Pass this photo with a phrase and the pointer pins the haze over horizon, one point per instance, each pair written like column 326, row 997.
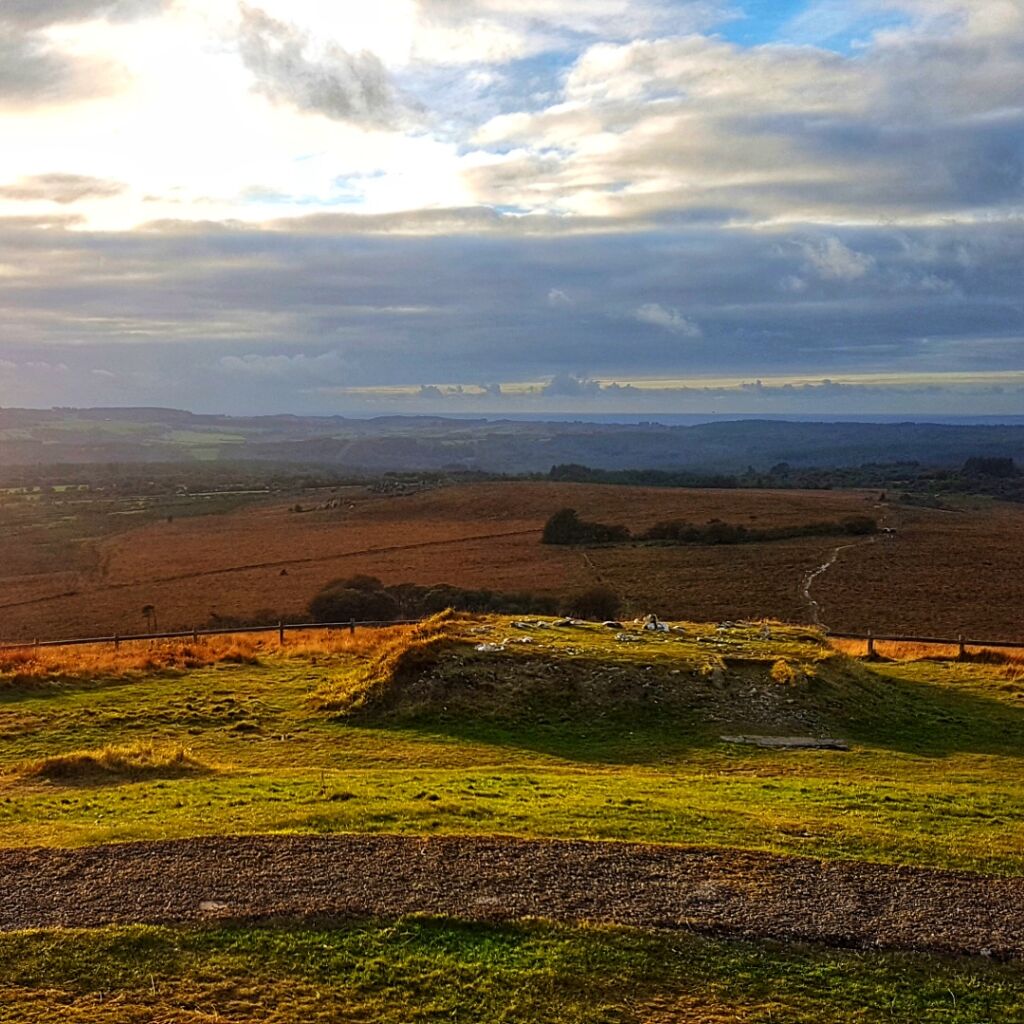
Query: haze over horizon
column 797, row 207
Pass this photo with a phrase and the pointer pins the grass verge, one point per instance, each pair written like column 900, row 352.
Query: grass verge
column 426, row 970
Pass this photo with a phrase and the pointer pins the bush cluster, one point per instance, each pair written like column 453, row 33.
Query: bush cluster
column 366, row 599
column 565, row 527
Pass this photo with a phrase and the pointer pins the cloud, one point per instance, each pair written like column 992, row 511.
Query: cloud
column 569, row 385
column 921, row 123
column 32, row 14
column 670, row 319
column 354, row 87
column 327, row 368
column 500, row 31
column 34, row 71
column 833, row 261
column 557, row 298
column 61, row 188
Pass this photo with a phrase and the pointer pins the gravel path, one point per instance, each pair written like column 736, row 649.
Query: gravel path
column 712, row 891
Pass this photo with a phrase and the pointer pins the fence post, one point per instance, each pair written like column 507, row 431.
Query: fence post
column 195, row 634
column 963, row 647
column 280, row 633
column 871, row 645
column 117, row 641
column 352, row 625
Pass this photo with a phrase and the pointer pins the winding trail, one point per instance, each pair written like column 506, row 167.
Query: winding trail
column 721, row 892
column 822, row 569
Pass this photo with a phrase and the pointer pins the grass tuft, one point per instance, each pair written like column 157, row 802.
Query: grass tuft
column 112, row 764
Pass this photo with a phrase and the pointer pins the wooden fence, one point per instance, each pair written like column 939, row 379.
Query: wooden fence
column 194, row 634
column 961, row 642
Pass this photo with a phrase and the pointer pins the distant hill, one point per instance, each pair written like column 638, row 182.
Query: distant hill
column 396, row 443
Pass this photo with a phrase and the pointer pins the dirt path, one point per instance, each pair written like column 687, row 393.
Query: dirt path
column 712, row 891
column 809, row 579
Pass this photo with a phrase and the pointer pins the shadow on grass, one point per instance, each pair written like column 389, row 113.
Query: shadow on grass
column 870, row 705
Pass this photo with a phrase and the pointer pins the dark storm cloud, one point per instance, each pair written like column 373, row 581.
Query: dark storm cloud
column 344, row 86
column 252, row 317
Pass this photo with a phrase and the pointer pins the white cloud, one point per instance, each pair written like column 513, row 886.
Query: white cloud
column 831, row 260
column 656, row 315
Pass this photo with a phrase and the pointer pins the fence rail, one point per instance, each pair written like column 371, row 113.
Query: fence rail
column 961, row 642
column 194, row 634
column 282, row 628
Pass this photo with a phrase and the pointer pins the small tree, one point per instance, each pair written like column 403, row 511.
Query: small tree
column 562, row 528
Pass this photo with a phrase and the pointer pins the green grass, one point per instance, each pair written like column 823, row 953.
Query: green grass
column 422, row 970
column 934, row 777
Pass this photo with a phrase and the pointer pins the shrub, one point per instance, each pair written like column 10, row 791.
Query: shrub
column 597, row 603
column 859, row 526
column 343, row 604
column 566, row 527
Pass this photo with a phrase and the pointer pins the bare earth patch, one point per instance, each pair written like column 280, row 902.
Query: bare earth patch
column 788, row 742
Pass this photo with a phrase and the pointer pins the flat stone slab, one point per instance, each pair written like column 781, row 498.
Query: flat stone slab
column 789, row 742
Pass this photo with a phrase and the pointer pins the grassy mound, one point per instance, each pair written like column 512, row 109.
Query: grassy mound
column 467, row 675
column 398, row 658
column 113, row 764
column 501, row 670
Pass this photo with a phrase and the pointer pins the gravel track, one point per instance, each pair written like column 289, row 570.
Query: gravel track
column 724, row 892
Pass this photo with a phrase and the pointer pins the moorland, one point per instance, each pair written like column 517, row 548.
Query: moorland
column 78, row 563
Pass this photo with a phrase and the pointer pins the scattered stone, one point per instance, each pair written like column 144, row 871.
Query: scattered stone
column 612, row 624
column 654, row 625
column 212, row 906
column 489, row 648
column 627, row 638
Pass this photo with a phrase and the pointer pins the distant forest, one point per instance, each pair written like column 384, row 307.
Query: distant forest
column 995, row 477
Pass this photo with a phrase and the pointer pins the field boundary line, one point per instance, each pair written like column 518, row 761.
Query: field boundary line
column 256, row 566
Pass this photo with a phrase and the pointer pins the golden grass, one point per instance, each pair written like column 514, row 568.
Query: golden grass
column 1006, row 662
column 28, row 665
column 403, row 653
column 113, row 763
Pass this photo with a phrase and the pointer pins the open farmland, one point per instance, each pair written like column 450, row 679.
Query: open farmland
column 268, row 559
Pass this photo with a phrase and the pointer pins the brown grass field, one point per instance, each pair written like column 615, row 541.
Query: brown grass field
column 941, row 573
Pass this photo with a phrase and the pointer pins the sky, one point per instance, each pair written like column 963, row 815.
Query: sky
column 518, row 206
